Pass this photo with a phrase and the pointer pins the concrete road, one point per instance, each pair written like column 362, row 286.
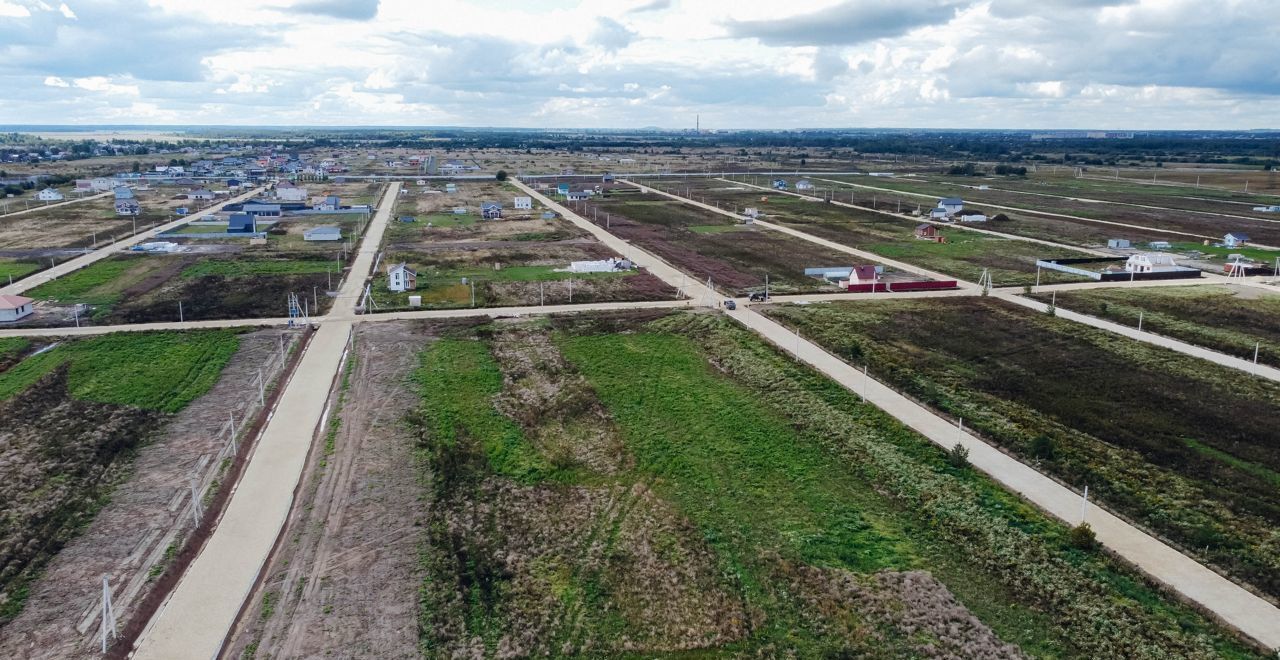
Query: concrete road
column 115, row 248
column 206, row 601
column 42, row 207
column 362, row 266
column 640, row 257
column 62, row 331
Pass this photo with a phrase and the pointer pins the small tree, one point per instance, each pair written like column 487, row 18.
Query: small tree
column 1082, row 537
column 958, row 456
column 502, row 175
column 1042, row 447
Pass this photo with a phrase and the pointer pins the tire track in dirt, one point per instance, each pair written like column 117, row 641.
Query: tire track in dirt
column 344, row 579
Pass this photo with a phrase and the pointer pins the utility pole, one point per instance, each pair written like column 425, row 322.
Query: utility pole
column 1256, row 347
column 1084, row 504
column 262, row 389
column 108, row 615
column 180, row 319
column 1140, row 320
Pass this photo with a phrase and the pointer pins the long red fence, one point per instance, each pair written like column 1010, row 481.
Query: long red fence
column 902, row 287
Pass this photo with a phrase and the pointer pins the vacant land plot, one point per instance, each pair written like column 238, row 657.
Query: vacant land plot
column 86, row 406
column 735, row 257
column 1173, row 218
column 656, row 484
column 435, row 220
column 1225, row 318
column 116, row 499
column 75, row 225
column 1185, row 447
column 140, row 288
column 528, row 273
column 964, row 254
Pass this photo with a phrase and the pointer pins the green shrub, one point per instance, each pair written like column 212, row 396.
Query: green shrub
column 958, row 456
column 1082, row 537
column 1042, row 447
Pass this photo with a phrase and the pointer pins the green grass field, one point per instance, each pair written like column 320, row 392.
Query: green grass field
column 99, row 283
column 10, row 268
column 161, row 371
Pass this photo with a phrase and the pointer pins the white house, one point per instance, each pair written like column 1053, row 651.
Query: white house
column 523, row 203
column 938, row 213
column 13, row 308
column 804, row 184
column 401, row 278
column 1275, row 208
column 751, row 212
column 451, row 187
column 200, row 194
column 49, row 195
column 1150, row 262
column 952, row 205
column 1234, row 239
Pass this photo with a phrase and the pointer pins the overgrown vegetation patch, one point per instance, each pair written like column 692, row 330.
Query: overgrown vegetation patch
column 753, row 507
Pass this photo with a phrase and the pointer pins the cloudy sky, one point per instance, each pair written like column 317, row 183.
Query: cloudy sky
column 1139, row 64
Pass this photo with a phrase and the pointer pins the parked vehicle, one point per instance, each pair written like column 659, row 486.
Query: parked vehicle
column 729, row 304
column 759, row 297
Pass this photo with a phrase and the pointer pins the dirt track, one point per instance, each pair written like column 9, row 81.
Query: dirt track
column 345, row 581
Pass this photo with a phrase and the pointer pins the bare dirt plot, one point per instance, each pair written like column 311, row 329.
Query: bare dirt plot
column 735, row 257
column 129, row 539
column 66, row 226
column 345, row 580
